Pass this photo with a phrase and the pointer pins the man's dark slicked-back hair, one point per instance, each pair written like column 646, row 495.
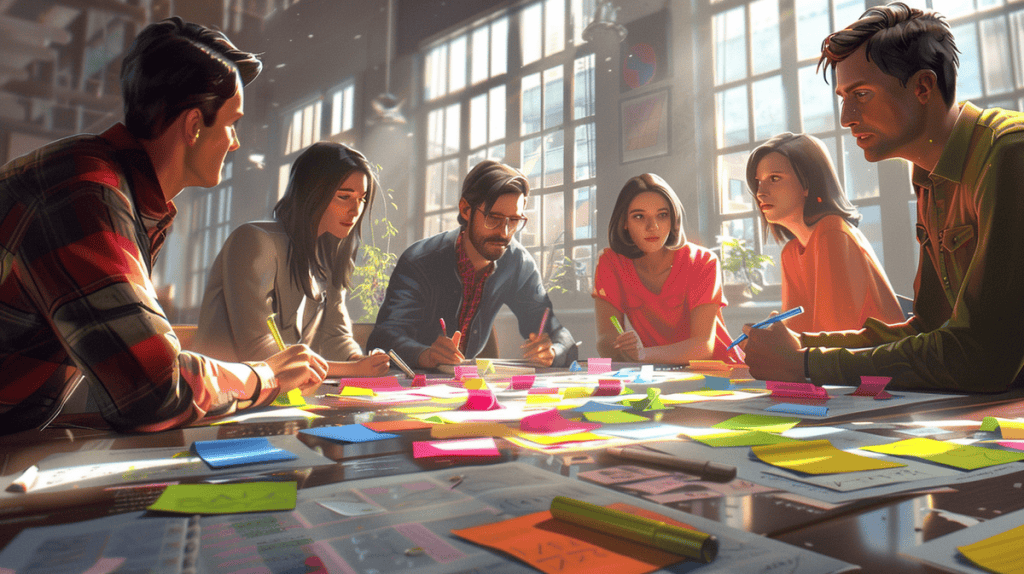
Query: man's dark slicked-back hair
column 173, row 66
column 901, row 41
column 488, row 181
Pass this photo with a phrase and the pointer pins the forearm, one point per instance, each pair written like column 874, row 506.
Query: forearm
column 681, row 352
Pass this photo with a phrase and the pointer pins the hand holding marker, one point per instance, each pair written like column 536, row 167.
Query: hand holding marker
column 775, row 319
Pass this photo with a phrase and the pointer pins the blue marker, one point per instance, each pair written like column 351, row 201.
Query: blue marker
column 780, row 317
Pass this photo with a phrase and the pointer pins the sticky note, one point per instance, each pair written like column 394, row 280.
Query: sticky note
column 781, row 389
column 420, row 380
column 379, row 383
column 348, row 433
column 522, row 382
column 767, row 423
column 576, row 392
column 873, row 387
column 466, row 372
column 1000, row 553
column 966, row 457
column 709, row 365
column 393, row 426
column 227, row 498
column 357, row 392
column 236, row 451
column 552, row 421
column 292, row 398
column 598, row 365
column 1009, row 429
column 575, row 367
column 474, row 383
column 484, row 366
column 481, row 400
column 817, row 457
column 739, row 438
column 594, row 406
column 613, row 417
column 458, row 447
column 609, row 388
column 549, row 439
column 717, row 383
column 797, row 409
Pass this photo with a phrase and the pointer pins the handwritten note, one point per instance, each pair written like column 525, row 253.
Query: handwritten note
column 227, row 498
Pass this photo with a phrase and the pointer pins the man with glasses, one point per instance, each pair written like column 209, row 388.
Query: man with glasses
column 454, row 283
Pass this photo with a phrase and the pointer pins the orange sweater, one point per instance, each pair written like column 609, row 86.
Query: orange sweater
column 837, row 279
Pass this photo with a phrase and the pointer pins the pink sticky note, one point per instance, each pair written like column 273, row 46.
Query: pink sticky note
column 543, row 391
column 466, row 372
column 609, row 388
column 796, row 390
column 420, row 380
column 873, row 387
column 1014, row 444
column 598, row 365
column 459, row 447
column 522, row 382
column 388, row 383
column 551, row 421
column 481, row 400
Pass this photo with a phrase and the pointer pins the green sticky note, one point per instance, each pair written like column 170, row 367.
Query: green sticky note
column 741, row 438
column 766, row 423
column 227, row 498
column 961, row 456
column 613, row 417
column 989, row 424
column 292, row 399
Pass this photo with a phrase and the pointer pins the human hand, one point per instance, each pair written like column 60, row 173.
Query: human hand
column 538, row 350
column 773, row 353
column 629, row 347
column 443, row 351
column 375, row 364
column 298, row 367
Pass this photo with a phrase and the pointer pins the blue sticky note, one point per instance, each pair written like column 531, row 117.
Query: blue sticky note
column 717, row 383
column 348, row 433
column 795, row 409
column 575, row 367
column 594, row 406
column 236, row 451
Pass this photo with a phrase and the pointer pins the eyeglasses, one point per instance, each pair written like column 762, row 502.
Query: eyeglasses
column 494, row 221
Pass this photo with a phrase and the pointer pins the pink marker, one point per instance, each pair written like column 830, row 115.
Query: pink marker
column 443, row 328
column 543, row 321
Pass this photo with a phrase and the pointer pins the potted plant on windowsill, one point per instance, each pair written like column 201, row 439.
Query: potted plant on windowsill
column 744, row 266
column 372, row 275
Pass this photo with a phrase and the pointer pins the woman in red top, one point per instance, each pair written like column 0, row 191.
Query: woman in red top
column 828, row 266
column 669, row 289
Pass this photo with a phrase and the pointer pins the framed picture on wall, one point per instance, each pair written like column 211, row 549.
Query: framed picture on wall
column 644, row 126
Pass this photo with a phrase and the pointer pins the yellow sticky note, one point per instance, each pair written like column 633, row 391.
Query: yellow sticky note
column 292, row 399
column 817, row 457
column 356, row 392
column 542, row 399
column 474, row 384
column 766, row 423
column 613, row 417
column 740, row 438
column 967, row 457
column 577, row 392
column 999, row 553
column 227, row 498
column 484, row 366
column 559, row 439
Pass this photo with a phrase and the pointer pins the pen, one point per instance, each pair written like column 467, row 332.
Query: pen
column 26, row 481
column 705, row 469
column 694, row 544
column 543, row 321
column 616, row 324
column 274, row 332
column 444, row 330
column 780, row 317
column 400, row 363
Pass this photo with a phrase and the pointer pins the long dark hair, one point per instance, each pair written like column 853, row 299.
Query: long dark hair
column 813, row 166
column 312, row 183
column 619, row 239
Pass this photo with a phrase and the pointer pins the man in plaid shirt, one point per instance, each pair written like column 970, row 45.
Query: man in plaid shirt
column 81, row 222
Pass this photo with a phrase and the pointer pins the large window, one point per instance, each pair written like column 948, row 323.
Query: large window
column 765, row 56
column 518, row 87
column 304, row 126
column 209, row 227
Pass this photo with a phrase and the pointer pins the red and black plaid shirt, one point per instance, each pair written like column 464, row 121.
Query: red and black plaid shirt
column 472, row 288
column 81, row 221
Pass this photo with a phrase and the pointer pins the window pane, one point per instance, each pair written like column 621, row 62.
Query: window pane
column 553, row 97
column 554, row 219
column 497, row 152
column 969, row 80
column 531, row 161
column 477, row 157
column 583, row 260
column 730, row 46
column 435, row 133
column 282, row 180
column 732, row 116
column 584, row 152
column 529, row 33
column 497, row 113
column 478, row 121
column 481, row 55
column 1017, row 31
column 457, row 64
column 582, row 15
column 871, row 226
column 584, row 213
column 434, row 224
column 740, row 229
column 531, row 104
column 346, row 111
column 953, row 8
column 530, row 235
column 769, row 108
column 499, row 47
column 772, row 273
column 452, row 181
column 336, row 112
column 583, row 87
column 847, row 12
column 451, row 129
column 816, row 101
column 998, row 70
column 554, row 158
column 554, row 27
column 732, row 182
column 764, row 19
column 436, row 75
column 435, row 187
column 812, row 26
column 861, row 175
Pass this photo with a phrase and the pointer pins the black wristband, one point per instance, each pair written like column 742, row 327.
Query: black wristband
column 807, row 366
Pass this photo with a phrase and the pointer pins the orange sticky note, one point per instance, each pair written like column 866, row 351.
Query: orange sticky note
column 558, row 547
column 392, row 426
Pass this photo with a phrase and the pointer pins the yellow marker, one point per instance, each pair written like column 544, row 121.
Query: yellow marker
column 616, row 324
column 694, row 544
column 274, row 332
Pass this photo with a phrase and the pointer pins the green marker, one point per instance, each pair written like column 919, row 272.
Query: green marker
column 694, row 544
column 616, row 324
column 274, row 332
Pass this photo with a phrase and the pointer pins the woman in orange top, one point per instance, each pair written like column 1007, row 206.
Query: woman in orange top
column 828, row 266
column 670, row 289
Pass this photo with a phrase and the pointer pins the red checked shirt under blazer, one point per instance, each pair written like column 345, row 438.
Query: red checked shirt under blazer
column 472, row 288
column 81, row 222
